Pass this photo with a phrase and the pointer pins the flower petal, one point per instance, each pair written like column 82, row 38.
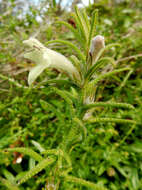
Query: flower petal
column 61, row 63
column 39, row 57
column 35, row 72
column 43, row 62
column 33, row 43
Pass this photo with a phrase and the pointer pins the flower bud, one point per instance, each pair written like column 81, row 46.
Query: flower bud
column 97, row 44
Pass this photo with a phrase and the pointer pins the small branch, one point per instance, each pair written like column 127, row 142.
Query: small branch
column 129, row 58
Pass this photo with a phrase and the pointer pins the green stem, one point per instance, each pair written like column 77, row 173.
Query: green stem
column 84, row 183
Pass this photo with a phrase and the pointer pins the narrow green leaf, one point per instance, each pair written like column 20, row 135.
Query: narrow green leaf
column 85, row 17
column 58, row 152
column 98, row 65
column 115, row 120
column 83, row 25
column 49, row 107
column 135, row 147
column 73, row 30
column 42, row 165
column 26, row 151
column 38, row 146
column 84, row 183
column 135, row 179
column 125, row 80
column 62, row 94
column 109, row 74
column 77, row 64
column 89, row 88
column 8, row 175
column 108, row 104
column 81, row 125
column 80, row 31
column 32, row 163
column 92, row 31
column 71, row 45
column 8, row 184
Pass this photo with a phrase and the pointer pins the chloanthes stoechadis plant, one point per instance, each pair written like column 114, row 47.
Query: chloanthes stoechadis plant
column 85, row 70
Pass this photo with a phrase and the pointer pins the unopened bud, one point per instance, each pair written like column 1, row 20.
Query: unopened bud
column 97, row 44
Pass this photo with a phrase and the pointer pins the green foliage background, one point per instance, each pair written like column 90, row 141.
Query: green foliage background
column 59, row 152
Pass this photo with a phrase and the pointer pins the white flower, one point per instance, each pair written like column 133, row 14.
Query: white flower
column 97, row 44
column 47, row 58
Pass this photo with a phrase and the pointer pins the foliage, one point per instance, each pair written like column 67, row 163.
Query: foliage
column 50, row 136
